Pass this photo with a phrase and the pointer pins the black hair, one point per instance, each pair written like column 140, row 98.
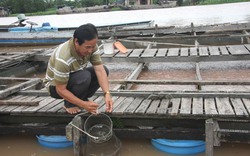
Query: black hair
column 85, row 32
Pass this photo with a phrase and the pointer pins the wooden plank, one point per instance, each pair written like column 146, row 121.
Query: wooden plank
column 2, row 107
column 223, row 50
column 118, row 102
column 143, row 106
column 197, row 106
column 161, row 52
column 62, row 110
column 57, row 108
column 43, row 103
column 134, row 105
column 101, row 101
column 186, row 104
column 50, row 105
column 184, row 52
column 224, row 107
column 193, row 51
column 16, row 88
column 136, row 53
column 12, row 58
column 203, row 51
column 246, row 104
column 182, row 82
column 163, row 108
column 173, row 52
column 153, row 107
column 149, row 53
column 102, row 104
column 247, row 46
column 175, row 106
column 15, row 102
column 10, row 108
column 123, row 106
column 210, row 107
column 30, row 98
column 133, row 76
column 238, row 50
column 9, row 57
column 214, row 50
column 238, row 107
column 123, row 55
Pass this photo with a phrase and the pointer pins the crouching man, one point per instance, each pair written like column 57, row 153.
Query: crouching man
column 68, row 77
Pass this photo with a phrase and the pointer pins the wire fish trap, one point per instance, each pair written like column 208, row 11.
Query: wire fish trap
column 98, row 128
column 112, row 147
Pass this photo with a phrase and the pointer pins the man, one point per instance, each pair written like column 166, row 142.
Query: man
column 68, row 76
column 21, row 18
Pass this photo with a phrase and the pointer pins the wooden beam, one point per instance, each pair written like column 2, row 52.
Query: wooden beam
column 136, row 93
column 16, row 88
column 180, row 82
column 18, row 102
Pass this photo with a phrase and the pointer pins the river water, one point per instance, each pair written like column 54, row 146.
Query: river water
column 27, row 145
column 178, row 16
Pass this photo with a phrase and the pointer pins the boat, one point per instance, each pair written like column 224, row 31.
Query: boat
column 47, row 35
column 28, row 26
column 140, row 32
column 46, row 27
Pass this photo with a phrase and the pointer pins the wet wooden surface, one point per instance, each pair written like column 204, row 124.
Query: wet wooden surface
column 186, row 54
column 147, row 105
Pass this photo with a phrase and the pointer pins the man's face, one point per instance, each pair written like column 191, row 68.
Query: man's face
column 86, row 48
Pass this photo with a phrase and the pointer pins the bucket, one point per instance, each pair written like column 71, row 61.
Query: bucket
column 185, row 147
column 99, row 128
column 54, row 141
column 108, row 46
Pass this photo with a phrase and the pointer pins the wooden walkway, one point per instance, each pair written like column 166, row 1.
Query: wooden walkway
column 147, row 104
column 187, row 54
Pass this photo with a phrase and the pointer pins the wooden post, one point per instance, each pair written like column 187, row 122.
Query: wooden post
column 198, row 74
column 209, row 137
column 77, row 121
column 212, row 136
column 69, row 132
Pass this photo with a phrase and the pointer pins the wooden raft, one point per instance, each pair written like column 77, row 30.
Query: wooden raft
column 138, row 114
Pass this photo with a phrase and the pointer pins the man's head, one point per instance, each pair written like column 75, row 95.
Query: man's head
column 85, row 39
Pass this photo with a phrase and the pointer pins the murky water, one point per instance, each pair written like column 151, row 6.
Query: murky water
column 27, row 145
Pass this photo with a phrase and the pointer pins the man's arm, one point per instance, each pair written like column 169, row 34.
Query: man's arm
column 90, row 106
column 104, row 84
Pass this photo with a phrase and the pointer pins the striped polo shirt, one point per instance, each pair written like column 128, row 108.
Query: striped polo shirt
column 64, row 60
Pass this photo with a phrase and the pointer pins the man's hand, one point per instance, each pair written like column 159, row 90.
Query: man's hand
column 109, row 103
column 91, row 107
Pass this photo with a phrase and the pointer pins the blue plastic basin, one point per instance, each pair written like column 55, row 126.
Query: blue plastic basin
column 54, row 141
column 179, row 146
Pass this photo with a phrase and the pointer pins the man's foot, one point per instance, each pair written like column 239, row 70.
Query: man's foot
column 72, row 110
